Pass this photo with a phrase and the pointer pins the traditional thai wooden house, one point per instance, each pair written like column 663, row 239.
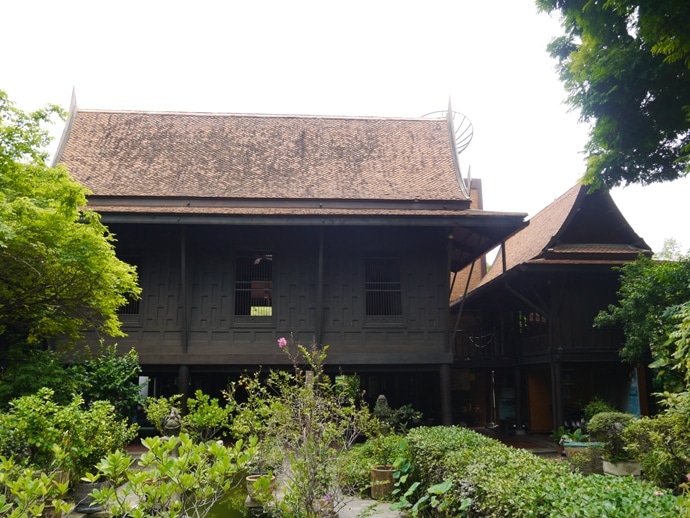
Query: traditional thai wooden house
column 525, row 349
column 247, row 228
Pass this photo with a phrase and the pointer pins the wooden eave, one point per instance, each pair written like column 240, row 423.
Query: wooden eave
column 514, row 276
column 263, row 205
column 473, row 232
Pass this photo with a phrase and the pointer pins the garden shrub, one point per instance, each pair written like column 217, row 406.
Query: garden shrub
column 26, row 493
column 600, row 496
column 254, row 404
column 430, row 446
column 106, row 375
column 660, row 444
column 102, row 375
column 608, row 427
column 42, row 434
column 502, row 481
column 313, row 418
column 596, row 406
column 28, row 370
column 204, row 420
column 175, row 477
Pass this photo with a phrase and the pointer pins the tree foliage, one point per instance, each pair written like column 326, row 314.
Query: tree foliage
column 106, row 375
column 100, row 375
column 58, row 271
column 626, row 67
column 653, row 299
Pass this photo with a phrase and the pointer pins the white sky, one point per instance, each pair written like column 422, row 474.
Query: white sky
column 375, row 57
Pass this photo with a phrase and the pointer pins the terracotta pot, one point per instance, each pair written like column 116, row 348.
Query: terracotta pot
column 251, row 492
column 382, row 482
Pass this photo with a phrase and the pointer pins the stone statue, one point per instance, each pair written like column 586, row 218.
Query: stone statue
column 172, row 422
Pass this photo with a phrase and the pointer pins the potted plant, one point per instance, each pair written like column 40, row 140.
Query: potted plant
column 609, row 427
column 576, row 441
column 385, row 450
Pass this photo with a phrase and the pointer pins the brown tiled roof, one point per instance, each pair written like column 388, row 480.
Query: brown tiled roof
column 268, row 157
column 531, row 240
column 577, row 228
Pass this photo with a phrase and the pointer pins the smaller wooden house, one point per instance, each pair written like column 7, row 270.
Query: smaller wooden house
column 524, row 346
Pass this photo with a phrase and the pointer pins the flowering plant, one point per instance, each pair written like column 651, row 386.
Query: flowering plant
column 315, row 421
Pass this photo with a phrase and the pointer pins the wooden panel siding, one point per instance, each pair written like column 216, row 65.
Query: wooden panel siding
column 213, row 334
column 582, row 297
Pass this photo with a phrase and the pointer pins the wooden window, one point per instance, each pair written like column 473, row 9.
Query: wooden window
column 532, row 323
column 382, row 288
column 254, row 285
column 131, row 307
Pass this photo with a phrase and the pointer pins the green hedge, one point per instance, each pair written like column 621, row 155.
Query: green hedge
column 503, row 481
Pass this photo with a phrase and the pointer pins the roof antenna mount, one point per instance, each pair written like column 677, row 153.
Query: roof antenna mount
column 461, row 132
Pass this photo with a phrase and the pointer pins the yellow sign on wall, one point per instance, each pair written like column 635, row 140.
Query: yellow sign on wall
column 261, row 311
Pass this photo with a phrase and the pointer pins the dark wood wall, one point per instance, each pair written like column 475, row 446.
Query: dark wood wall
column 561, row 314
column 187, row 274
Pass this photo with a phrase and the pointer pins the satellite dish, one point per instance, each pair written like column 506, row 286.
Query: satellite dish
column 461, row 132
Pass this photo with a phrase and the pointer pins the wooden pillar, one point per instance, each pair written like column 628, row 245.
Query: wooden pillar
column 446, row 403
column 557, row 389
column 183, row 288
column 319, row 293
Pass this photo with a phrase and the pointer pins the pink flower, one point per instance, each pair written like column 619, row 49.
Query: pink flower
column 282, row 342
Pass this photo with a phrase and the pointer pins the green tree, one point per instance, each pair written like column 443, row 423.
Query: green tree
column 652, row 301
column 102, row 374
column 671, row 250
column 30, row 369
column 58, row 271
column 625, row 66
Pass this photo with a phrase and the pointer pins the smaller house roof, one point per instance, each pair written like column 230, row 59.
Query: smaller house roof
column 579, row 227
